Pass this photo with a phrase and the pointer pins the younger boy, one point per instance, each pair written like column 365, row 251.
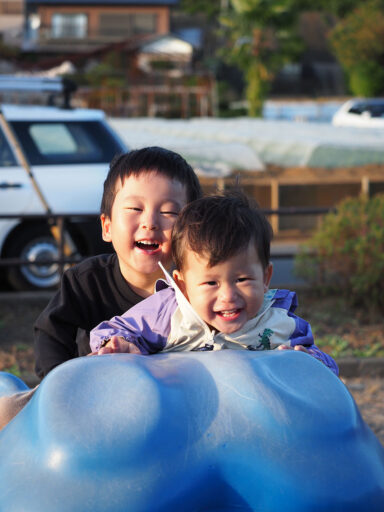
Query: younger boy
column 220, row 297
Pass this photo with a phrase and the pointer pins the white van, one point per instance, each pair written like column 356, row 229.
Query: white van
column 52, row 160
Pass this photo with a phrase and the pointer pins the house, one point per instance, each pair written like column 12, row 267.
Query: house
column 141, row 67
column 11, row 22
column 55, row 26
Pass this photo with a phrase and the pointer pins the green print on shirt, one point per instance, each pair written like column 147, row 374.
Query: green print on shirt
column 264, row 344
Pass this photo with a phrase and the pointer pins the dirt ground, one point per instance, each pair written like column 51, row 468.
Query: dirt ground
column 19, row 311
column 369, row 396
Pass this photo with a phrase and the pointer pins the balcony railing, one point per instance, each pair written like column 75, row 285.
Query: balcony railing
column 46, row 36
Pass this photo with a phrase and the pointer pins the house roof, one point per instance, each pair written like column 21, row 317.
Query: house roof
column 103, row 2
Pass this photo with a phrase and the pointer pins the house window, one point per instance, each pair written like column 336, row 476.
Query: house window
column 144, row 23
column 69, row 25
column 126, row 25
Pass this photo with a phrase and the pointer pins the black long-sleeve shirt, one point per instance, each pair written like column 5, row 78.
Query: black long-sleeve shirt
column 90, row 292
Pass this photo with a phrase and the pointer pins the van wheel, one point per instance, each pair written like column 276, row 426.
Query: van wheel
column 34, row 243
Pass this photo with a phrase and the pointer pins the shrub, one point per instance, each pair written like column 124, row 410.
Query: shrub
column 358, row 43
column 346, row 254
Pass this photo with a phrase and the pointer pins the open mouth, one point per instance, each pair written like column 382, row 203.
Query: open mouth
column 229, row 314
column 146, row 245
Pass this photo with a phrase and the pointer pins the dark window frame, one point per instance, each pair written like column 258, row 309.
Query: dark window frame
column 103, row 140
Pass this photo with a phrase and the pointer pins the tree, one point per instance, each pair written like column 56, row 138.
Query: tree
column 358, row 43
column 210, row 9
column 340, row 8
column 257, row 36
column 261, row 38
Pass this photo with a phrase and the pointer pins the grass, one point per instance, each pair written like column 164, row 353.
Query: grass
column 17, row 359
column 337, row 347
column 14, row 369
column 341, row 330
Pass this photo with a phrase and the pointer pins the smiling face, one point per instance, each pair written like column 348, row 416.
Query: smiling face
column 143, row 213
column 228, row 294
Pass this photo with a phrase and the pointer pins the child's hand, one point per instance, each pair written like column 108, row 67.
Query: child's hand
column 118, row 344
column 301, row 348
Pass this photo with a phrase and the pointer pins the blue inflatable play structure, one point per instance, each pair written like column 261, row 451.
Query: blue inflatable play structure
column 272, row 431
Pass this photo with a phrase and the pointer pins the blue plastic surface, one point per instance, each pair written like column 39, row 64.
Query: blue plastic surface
column 10, row 384
column 197, row 431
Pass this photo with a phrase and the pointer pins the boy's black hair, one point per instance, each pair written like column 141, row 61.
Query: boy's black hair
column 220, row 226
column 150, row 159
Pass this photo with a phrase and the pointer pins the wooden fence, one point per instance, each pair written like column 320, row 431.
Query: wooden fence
column 166, row 100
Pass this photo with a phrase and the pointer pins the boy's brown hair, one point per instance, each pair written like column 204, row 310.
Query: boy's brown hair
column 218, row 227
column 146, row 160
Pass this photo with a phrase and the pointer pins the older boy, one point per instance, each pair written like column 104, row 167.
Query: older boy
column 143, row 195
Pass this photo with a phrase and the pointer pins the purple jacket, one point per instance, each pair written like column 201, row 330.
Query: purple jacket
column 150, row 325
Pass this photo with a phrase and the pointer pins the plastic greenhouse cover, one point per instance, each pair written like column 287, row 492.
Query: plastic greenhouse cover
column 217, row 147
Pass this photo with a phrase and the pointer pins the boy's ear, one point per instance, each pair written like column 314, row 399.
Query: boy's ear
column 105, row 228
column 179, row 280
column 267, row 276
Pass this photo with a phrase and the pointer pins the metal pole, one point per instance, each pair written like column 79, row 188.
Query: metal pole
column 20, row 156
column 69, row 246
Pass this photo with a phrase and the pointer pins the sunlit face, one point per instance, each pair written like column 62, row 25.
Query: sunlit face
column 228, row 294
column 143, row 213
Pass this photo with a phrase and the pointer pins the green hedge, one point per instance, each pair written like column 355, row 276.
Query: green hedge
column 346, row 254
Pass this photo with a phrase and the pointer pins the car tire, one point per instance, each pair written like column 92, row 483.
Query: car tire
column 33, row 243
